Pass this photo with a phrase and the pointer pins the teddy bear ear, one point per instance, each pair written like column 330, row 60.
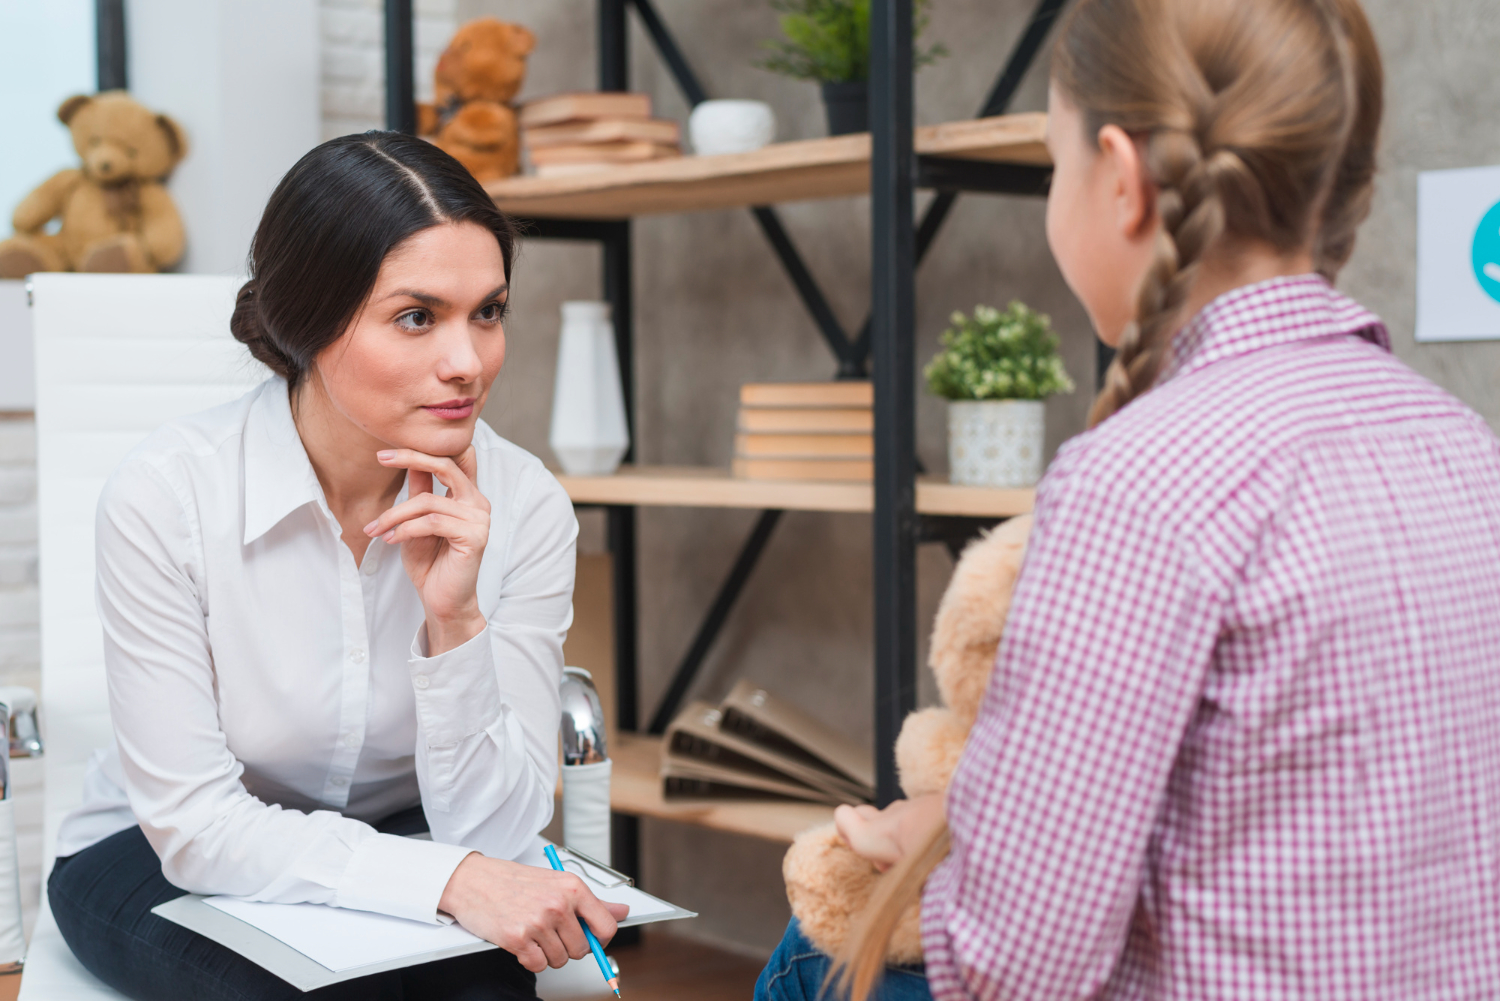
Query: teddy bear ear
column 71, row 107
column 176, row 138
column 522, row 41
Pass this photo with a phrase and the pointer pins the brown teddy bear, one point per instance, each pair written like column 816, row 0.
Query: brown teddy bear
column 826, row 882
column 116, row 214
column 477, row 76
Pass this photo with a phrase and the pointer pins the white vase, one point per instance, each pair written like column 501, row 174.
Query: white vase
column 589, row 433
column 730, row 127
column 995, row 443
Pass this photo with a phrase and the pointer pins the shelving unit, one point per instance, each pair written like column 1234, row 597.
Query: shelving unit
column 993, row 153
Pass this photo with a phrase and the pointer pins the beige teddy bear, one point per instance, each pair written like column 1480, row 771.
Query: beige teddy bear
column 116, row 214
column 826, row 882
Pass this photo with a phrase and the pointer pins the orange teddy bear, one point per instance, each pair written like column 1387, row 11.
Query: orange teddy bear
column 477, row 76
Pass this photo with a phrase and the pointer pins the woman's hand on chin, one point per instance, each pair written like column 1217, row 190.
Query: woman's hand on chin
column 530, row 912
column 442, row 540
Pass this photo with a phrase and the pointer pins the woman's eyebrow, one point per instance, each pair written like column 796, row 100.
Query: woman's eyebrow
column 425, row 298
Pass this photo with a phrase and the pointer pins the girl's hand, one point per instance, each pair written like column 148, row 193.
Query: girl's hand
column 884, row 837
column 530, row 912
column 442, row 540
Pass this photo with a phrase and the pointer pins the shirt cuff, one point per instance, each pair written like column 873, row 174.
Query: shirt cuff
column 457, row 693
column 399, row 876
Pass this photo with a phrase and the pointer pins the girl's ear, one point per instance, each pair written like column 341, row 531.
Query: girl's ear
column 1131, row 189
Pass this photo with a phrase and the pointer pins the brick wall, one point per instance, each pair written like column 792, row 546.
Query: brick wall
column 354, row 59
column 20, row 651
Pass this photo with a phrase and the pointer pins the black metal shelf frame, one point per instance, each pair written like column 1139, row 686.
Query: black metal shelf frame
column 882, row 350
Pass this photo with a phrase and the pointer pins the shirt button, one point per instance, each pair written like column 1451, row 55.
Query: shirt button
column 351, row 740
column 421, row 681
column 369, row 568
column 339, row 780
column 357, row 655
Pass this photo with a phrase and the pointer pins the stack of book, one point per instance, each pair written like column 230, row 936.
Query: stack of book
column 806, row 431
column 755, row 746
column 578, row 133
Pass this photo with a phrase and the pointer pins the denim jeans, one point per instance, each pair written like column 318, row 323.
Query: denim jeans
column 102, row 899
column 797, row 970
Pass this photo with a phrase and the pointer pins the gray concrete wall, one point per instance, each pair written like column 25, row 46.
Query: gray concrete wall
column 714, row 310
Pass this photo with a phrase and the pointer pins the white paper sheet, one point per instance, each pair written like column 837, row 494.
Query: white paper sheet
column 341, row 939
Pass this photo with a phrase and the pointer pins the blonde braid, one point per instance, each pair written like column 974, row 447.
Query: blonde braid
column 1191, row 208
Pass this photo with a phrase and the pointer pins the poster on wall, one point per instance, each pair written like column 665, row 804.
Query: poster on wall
column 1458, row 254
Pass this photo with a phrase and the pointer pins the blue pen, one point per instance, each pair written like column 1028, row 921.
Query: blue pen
column 598, row 950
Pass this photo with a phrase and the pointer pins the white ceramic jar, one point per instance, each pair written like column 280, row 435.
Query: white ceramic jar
column 589, row 432
column 717, row 127
column 995, row 443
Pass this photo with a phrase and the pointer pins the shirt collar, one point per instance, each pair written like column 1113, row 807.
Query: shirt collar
column 279, row 479
column 1278, row 311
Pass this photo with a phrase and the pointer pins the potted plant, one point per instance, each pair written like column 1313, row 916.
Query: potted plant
column 995, row 369
column 829, row 41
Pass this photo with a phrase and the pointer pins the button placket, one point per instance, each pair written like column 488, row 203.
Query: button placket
column 355, row 687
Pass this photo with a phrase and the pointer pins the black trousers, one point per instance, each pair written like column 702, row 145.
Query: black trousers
column 102, row 899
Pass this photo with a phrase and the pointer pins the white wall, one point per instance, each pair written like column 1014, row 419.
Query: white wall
column 353, row 47
column 49, row 56
column 241, row 76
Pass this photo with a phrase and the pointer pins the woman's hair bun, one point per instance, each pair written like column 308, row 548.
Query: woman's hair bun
column 250, row 330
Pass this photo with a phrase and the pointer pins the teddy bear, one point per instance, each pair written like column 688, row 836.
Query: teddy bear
column 477, row 76
column 116, row 214
column 827, row 884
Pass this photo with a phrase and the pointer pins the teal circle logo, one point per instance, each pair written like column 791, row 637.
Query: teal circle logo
column 1486, row 252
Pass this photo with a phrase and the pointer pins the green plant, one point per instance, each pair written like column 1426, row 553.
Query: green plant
column 998, row 356
column 829, row 40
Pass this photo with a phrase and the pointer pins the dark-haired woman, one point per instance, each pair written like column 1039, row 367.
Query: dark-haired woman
column 333, row 614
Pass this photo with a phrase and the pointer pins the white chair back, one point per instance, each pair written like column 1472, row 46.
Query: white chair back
column 117, row 356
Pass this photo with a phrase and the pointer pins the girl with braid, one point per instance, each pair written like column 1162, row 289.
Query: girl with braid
column 1242, row 738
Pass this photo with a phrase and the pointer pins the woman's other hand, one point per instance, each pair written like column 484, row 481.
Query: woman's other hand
column 884, row 837
column 442, row 540
column 528, row 911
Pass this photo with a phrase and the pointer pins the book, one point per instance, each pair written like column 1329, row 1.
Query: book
column 844, row 393
column 806, row 446
column 806, row 421
column 837, row 470
column 753, row 713
column 600, row 130
column 614, row 152
column 584, row 105
column 699, row 752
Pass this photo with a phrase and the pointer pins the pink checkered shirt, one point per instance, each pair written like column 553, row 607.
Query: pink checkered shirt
column 1243, row 735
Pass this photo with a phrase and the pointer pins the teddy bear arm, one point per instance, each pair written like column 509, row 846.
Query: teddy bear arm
column 161, row 226
column 46, row 201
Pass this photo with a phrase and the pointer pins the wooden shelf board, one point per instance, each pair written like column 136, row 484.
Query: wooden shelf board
column 782, row 172
column 635, row 788
column 695, row 486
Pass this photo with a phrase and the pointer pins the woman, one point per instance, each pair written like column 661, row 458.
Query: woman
column 1243, row 737
column 334, row 611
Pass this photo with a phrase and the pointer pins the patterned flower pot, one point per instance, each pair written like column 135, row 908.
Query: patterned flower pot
column 995, row 443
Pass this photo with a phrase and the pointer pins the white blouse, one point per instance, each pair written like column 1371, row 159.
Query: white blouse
column 271, row 699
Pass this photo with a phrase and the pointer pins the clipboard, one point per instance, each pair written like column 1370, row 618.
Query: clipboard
column 285, row 960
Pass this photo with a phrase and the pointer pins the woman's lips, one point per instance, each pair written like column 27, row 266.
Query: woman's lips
column 452, row 410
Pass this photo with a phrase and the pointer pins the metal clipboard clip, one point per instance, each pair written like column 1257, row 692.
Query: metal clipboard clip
column 579, row 860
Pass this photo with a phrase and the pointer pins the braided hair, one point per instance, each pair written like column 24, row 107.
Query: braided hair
column 1258, row 121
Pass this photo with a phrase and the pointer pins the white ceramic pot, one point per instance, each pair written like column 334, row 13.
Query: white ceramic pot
column 995, row 443
column 589, row 433
column 717, row 127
